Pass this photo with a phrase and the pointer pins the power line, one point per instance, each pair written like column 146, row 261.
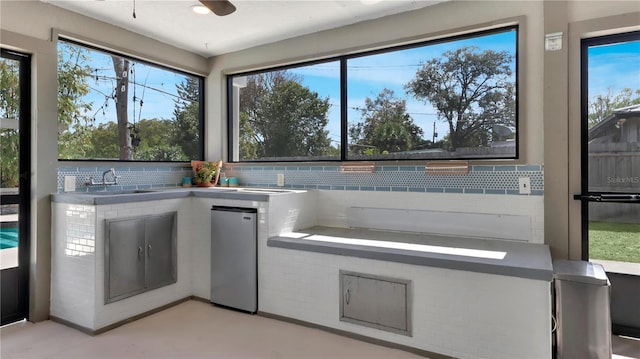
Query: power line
column 142, row 85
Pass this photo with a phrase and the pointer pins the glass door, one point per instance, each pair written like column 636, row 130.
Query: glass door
column 15, row 167
column 611, row 169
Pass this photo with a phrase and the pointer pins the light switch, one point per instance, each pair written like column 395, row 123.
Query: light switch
column 525, row 185
column 69, row 183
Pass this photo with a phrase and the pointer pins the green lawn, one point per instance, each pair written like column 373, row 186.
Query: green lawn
column 614, row 241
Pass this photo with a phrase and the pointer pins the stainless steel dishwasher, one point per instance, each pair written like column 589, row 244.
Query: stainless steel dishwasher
column 234, row 261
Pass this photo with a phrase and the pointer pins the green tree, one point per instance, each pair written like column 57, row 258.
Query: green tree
column 602, row 105
column 385, row 127
column 186, row 114
column 73, row 111
column 104, row 142
column 157, row 141
column 9, row 109
column 248, row 138
column 472, row 90
column 282, row 118
column 77, row 143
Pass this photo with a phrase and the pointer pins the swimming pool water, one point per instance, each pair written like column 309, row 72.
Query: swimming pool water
column 8, row 237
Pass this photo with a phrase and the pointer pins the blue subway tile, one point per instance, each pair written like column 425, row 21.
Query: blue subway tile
column 482, row 168
column 311, row 186
column 316, row 168
column 494, row 191
column 278, row 168
column 67, row 169
column 352, row 188
column 338, row 188
column 382, row 189
column 513, row 192
column 389, row 169
column 330, row 169
column 324, row 187
column 435, row 190
column 505, row 168
column 367, row 188
column 407, row 168
column 453, row 190
column 398, row 189
column 164, row 169
column 529, row 168
column 473, row 190
column 416, row 189
column 536, row 192
column 303, row 168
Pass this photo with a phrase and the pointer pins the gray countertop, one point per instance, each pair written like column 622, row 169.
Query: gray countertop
column 113, row 197
column 508, row 258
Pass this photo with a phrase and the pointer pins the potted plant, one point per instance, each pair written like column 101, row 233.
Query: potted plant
column 206, row 173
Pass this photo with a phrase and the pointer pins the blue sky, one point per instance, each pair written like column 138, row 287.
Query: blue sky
column 614, row 67
column 369, row 75
column 156, row 87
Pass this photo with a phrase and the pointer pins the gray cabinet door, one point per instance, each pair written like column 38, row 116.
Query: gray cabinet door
column 160, row 250
column 375, row 302
column 140, row 254
column 124, row 266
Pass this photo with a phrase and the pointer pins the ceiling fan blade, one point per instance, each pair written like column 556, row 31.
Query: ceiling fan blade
column 219, row 7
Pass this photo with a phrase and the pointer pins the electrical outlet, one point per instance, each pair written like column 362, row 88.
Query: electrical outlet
column 280, row 180
column 69, row 183
column 524, row 185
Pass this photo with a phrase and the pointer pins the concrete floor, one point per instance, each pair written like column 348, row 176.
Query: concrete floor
column 195, row 329
column 191, row 329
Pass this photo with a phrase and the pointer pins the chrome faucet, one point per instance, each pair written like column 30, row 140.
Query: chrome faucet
column 113, row 175
column 104, row 182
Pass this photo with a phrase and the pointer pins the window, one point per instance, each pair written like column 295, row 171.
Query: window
column 116, row 108
column 290, row 114
column 453, row 98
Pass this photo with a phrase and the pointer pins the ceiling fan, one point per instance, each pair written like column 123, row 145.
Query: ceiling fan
column 219, row 7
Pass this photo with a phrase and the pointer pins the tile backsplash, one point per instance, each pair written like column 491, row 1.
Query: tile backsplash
column 130, row 177
column 481, row 179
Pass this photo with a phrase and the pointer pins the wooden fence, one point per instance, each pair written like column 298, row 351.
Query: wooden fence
column 614, row 167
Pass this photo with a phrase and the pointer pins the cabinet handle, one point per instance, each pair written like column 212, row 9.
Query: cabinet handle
column 140, row 252
column 149, row 251
column 347, row 296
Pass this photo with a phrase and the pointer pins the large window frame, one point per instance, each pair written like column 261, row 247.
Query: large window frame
column 198, row 82
column 233, row 107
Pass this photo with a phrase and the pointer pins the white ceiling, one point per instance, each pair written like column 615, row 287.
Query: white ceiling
column 255, row 22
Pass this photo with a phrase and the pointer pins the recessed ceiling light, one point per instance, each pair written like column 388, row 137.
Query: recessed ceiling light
column 200, row 9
